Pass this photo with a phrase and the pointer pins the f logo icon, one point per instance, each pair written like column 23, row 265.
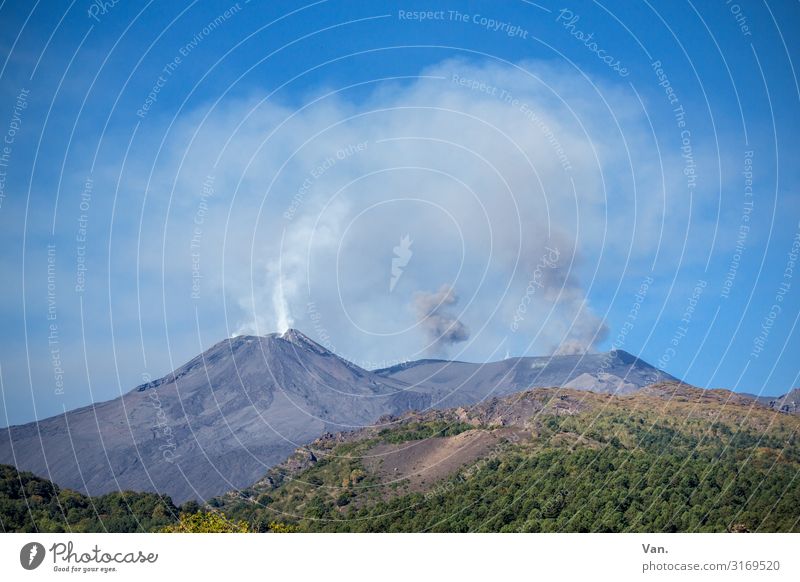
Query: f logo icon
column 31, row 555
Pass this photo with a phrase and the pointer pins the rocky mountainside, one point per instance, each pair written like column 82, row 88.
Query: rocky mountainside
column 222, row 420
column 216, row 423
column 462, row 383
column 789, row 402
column 668, row 458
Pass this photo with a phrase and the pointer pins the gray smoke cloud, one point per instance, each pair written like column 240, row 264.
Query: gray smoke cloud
column 434, row 314
column 585, row 328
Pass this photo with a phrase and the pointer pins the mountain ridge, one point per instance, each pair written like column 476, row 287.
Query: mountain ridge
column 223, row 418
column 454, row 383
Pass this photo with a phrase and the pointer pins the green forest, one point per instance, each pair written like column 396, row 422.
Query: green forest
column 31, row 504
column 610, row 471
column 612, row 465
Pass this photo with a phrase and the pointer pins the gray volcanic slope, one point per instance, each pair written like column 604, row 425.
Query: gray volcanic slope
column 788, row 403
column 217, row 423
column 462, row 383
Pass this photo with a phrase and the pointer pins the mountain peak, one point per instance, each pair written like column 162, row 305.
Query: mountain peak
column 625, row 357
column 301, row 340
column 293, row 334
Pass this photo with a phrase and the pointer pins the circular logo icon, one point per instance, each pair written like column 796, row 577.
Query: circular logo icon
column 31, row 555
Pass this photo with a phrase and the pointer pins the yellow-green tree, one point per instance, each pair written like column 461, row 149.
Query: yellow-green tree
column 206, row 522
column 280, row 527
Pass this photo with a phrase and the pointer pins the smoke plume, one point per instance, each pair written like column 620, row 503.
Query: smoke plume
column 434, row 314
column 585, row 328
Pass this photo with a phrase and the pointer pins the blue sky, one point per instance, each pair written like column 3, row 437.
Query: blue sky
column 571, row 176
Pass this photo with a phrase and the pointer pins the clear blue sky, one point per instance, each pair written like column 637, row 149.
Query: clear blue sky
column 648, row 144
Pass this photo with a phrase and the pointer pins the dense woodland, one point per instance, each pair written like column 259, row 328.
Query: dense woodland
column 606, row 472
column 31, row 504
column 613, row 469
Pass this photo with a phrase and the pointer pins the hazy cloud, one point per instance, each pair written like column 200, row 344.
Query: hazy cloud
column 312, row 200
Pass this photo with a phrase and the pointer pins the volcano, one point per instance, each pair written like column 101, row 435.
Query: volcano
column 220, row 421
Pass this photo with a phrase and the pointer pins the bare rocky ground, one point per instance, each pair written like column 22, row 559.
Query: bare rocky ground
column 421, row 464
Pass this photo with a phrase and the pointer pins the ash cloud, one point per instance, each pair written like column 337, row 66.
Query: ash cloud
column 435, row 316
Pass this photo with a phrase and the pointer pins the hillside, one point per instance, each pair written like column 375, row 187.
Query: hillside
column 667, row 458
